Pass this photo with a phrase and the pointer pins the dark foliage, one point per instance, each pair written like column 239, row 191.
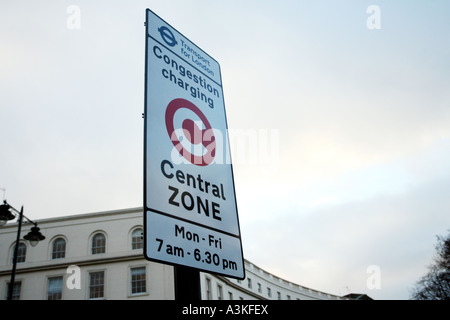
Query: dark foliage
column 435, row 285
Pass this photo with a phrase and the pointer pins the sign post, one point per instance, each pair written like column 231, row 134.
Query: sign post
column 187, row 284
column 190, row 211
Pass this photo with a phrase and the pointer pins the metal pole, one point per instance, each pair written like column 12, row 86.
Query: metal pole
column 16, row 250
column 187, row 284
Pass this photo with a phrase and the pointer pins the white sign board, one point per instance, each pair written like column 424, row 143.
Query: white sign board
column 190, row 212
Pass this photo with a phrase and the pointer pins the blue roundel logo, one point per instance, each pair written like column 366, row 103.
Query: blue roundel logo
column 167, row 36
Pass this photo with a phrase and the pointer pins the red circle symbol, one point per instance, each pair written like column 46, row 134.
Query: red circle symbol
column 194, row 134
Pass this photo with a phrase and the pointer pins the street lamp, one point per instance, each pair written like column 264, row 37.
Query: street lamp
column 34, row 236
column 5, row 214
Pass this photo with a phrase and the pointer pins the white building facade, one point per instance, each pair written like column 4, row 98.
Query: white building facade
column 100, row 256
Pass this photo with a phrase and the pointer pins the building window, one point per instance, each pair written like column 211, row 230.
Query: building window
column 21, row 253
column 96, row 285
column 98, row 244
column 137, row 241
column 16, row 290
column 138, row 280
column 208, row 289
column 259, row 288
column 59, row 248
column 279, row 295
column 54, row 288
column 249, row 282
column 269, row 292
column 230, row 295
column 219, row 292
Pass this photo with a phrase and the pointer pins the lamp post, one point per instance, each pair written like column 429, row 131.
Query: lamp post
column 34, row 236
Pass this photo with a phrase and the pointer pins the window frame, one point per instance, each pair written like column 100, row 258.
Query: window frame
column 138, row 243
column 130, row 281
column 49, row 278
column 219, row 291
column 17, row 287
column 94, row 247
column 208, row 288
column 21, row 252
column 90, row 286
column 52, row 249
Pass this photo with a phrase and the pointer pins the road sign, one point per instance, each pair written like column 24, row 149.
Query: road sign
column 190, row 212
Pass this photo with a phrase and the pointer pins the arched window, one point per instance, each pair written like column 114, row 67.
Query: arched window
column 98, row 244
column 59, row 248
column 21, row 253
column 137, row 241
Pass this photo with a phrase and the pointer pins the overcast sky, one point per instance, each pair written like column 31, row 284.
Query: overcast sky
column 350, row 103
